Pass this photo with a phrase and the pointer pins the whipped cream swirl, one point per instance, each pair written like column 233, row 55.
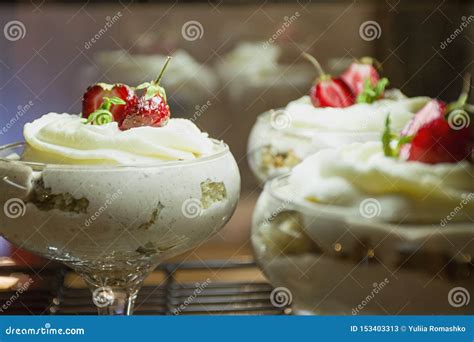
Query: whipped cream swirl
column 361, row 117
column 65, row 139
column 401, row 191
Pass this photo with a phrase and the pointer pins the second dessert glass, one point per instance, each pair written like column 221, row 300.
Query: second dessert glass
column 115, row 224
column 331, row 260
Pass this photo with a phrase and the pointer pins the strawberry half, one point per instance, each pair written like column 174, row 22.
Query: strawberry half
column 329, row 91
column 94, row 97
column 432, row 110
column 358, row 72
column 437, row 142
column 332, row 92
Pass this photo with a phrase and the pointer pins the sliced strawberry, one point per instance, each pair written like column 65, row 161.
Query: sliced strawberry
column 94, row 97
column 153, row 112
column 332, row 92
column 358, row 72
column 437, row 142
column 432, row 110
column 329, row 91
column 127, row 94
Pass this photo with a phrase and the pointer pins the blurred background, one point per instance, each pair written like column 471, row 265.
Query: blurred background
column 232, row 60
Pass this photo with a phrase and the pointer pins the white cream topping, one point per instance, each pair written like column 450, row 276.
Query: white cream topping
column 361, row 117
column 65, row 139
column 403, row 190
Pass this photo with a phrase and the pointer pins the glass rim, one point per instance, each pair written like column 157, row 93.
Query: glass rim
column 223, row 150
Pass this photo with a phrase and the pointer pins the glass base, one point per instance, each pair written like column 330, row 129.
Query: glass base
column 114, row 287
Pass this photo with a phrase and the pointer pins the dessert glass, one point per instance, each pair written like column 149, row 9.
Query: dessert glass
column 274, row 147
column 114, row 224
column 334, row 260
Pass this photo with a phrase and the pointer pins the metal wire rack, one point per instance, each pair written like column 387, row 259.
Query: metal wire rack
column 170, row 297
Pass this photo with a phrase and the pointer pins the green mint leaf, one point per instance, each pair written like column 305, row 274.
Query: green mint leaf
column 387, row 139
column 404, row 140
column 100, row 117
column 117, row 100
column 371, row 93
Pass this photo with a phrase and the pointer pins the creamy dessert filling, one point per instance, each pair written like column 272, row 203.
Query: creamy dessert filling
column 65, row 139
column 403, row 190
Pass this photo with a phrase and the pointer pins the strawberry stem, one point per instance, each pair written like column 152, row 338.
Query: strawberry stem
column 460, row 103
column 466, row 86
column 316, row 64
column 160, row 76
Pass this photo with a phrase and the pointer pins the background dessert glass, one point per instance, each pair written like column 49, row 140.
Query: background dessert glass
column 274, row 147
column 333, row 260
column 114, row 224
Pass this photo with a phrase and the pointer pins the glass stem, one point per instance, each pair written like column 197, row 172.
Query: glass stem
column 114, row 301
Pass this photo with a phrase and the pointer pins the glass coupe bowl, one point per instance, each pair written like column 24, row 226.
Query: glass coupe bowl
column 338, row 261
column 114, row 224
column 275, row 146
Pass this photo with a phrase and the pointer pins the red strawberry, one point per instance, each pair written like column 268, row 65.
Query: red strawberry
column 332, row 92
column 152, row 108
column 437, row 142
column 431, row 111
column 435, row 135
column 153, row 112
column 358, row 72
column 329, row 91
column 128, row 95
column 94, row 96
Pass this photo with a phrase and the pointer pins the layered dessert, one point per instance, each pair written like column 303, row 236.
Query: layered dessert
column 117, row 189
column 377, row 227
column 338, row 110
